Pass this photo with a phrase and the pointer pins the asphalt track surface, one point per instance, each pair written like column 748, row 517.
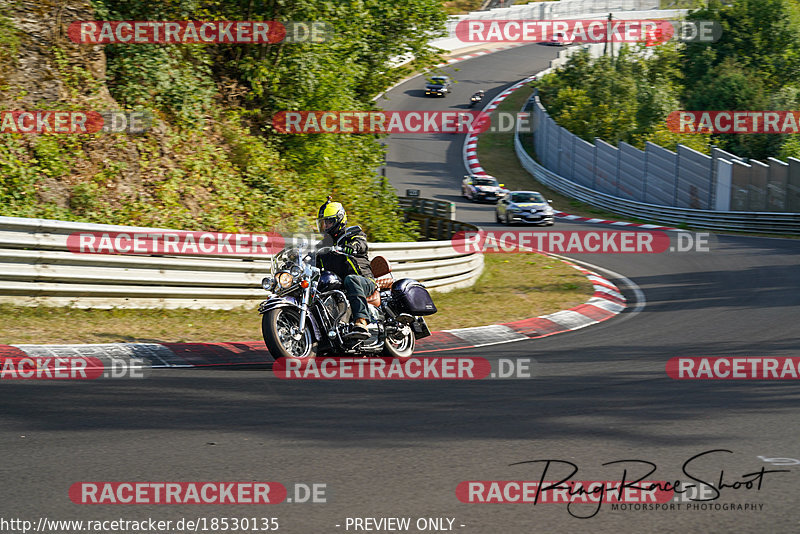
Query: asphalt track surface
column 399, row 449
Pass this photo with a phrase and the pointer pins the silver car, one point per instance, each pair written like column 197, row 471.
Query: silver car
column 526, row 207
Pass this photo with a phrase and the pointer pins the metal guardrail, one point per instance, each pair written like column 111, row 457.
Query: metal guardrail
column 436, row 218
column 439, row 228
column 37, row 268
column 427, row 206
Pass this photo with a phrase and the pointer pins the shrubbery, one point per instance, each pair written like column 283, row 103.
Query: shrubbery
column 213, row 161
column 754, row 66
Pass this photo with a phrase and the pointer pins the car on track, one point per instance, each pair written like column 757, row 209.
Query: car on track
column 438, row 86
column 559, row 39
column 525, row 207
column 484, row 187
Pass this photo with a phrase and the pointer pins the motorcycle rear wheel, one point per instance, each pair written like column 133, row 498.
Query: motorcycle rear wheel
column 276, row 328
column 402, row 346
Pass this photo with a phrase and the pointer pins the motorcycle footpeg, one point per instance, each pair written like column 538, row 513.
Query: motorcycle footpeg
column 351, row 333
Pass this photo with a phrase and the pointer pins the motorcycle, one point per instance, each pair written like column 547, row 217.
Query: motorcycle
column 308, row 314
column 475, row 99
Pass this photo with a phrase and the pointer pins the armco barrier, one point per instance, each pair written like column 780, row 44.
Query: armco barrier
column 439, row 228
column 427, row 206
column 37, row 268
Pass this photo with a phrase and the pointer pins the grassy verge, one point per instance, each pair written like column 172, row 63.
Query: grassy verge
column 513, row 286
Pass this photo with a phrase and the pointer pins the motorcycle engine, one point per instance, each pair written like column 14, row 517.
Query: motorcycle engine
column 335, row 305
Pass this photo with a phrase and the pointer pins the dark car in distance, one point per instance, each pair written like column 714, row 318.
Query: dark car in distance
column 438, row 86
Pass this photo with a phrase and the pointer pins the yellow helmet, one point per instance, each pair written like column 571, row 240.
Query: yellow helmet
column 332, row 218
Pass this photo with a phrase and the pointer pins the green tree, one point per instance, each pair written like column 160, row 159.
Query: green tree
column 344, row 72
column 760, row 35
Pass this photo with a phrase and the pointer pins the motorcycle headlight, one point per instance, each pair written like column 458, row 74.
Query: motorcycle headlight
column 267, row 282
column 285, row 280
column 295, row 271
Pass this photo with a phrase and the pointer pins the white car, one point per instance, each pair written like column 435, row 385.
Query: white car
column 482, row 187
column 526, row 207
column 560, row 39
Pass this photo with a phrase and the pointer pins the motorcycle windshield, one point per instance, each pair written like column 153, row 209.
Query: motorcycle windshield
column 287, row 258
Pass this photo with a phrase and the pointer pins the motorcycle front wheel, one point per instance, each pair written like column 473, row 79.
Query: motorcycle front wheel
column 278, row 327
column 400, row 344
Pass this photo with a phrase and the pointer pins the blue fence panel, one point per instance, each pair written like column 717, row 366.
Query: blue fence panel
column 660, row 175
column 584, row 162
column 740, row 185
column 607, row 164
column 777, row 185
column 694, row 179
column 631, row 172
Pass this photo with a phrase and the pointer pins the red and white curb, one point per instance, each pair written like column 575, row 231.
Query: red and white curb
column 473, row 165
column 569, row 217
column 471, row 142
column 606, row 302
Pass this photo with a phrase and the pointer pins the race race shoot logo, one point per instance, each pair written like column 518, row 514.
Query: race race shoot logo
column 74, row 122
column 734, row 368
column 388, row 122
column 650, row 32
column 71, row 368
column 193, row 31
column 177, row 493
column 706, row 479
column 734, row 122
column 425, row 368
column 178, row 243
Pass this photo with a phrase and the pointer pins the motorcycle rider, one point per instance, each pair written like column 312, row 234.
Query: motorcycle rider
column 351, row 263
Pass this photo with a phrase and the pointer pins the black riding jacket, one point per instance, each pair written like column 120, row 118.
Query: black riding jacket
column 341, row 264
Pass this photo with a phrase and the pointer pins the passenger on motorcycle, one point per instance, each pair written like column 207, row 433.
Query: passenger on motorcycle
column 351, row 263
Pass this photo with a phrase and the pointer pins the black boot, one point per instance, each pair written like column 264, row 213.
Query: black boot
column 357, row 331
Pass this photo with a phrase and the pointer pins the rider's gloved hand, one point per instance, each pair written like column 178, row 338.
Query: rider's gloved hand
column 347, row 250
